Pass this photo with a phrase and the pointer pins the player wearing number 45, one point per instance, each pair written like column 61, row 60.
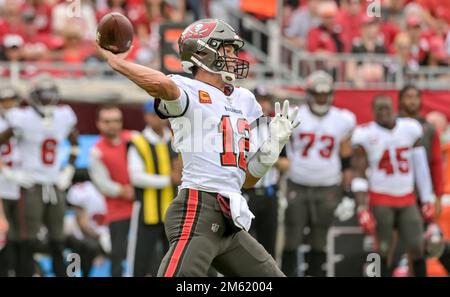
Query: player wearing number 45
column 207, row 222
column 319, row 154
column 38, row 129
column 393, row 151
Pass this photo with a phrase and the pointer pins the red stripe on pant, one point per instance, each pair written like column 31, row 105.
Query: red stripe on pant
column 189, row 219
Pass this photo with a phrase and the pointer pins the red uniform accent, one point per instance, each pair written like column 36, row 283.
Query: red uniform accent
column 436, row 168
column 319, row 39
column 351, row 27
column 390, row 200
column 367, row 221
column 189, row 219
column 114, row 157
column 428, row 211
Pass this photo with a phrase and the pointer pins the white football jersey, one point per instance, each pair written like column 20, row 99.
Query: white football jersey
column 389, row 155
column 9, row 157
column 213, row 136
column 314, row 146
column 86, row 196
column 38, row 140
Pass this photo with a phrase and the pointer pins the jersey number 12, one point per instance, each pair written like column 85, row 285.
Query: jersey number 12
column 229, row 157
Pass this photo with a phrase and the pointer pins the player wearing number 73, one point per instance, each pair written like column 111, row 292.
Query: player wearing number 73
column 207, row 222
column 319, row 154
column 38, row 130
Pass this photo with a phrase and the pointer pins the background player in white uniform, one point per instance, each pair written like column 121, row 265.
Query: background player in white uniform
column 392, row 150
column 88, row 235
column 9, row 189
column 211, row 121
column 319, row 155
column 38, row 130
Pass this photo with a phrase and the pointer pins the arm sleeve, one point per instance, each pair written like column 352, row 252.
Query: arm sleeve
column 15, row 121
column 101, row 178
column 358, row 138
column 422, row 174
column 350, row 123
column 172, row 109
column 437, row 170
column 139, row 178
column 72, row 118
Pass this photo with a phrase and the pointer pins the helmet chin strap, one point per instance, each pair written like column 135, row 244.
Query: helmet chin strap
column 227, row 77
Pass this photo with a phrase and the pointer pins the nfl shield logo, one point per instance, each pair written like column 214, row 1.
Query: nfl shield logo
column 215, row 227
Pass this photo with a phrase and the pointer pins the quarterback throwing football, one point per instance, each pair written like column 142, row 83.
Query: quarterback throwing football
column 208, row 221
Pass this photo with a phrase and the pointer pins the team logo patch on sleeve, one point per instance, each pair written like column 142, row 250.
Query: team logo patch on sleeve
column 204, row 97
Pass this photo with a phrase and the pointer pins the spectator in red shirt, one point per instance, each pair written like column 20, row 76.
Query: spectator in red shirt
column 350, row 18
column 109, row 172
column 43, row 14
column 438, row 57
column 435, row 8
column 370, row 42
column 418, row 38
column 11, row 23
column 326, row 38
column 37, row 45
column 303, row 19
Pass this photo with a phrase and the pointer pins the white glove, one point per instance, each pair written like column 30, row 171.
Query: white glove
column 105, row 242
column 281, row 128
column 18, row 177
column 65, row 178
column 345, row 210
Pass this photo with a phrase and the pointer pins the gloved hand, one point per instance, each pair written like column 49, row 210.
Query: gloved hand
column 428, row 211
column 283, row 124
column 367, row 221
column 280, row 128
column 345, row 210
column 65, row 177
column 18, row 177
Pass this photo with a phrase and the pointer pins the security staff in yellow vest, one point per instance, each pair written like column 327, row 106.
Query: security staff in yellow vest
column 154, row 170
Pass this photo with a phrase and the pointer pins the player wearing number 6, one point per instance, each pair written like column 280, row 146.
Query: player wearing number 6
column 38, row 130
column 207, row 222
column 392, row 149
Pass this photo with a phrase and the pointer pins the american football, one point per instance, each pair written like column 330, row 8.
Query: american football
column 115, row 32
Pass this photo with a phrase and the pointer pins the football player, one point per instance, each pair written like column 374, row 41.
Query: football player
column 319, row 155
column 392, row 149
column 39, row 129
column 207, row 222
column 9, row 189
